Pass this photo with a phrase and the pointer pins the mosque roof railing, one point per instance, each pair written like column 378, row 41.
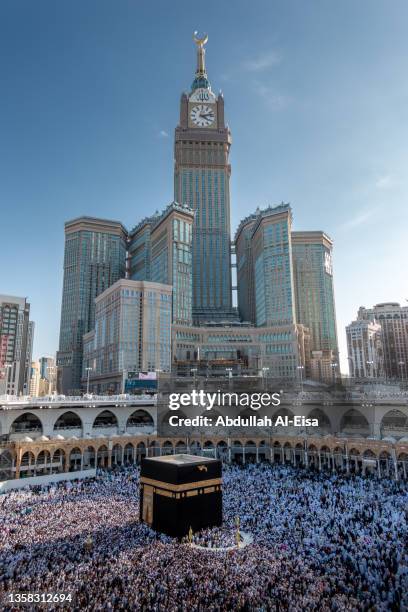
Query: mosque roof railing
column 10, row 402
column 260, row 214
column 157, row 217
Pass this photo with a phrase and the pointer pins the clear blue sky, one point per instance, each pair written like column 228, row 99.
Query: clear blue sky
column 316, row 97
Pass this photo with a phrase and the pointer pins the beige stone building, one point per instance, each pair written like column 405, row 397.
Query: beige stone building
column 35, row 379
column 393, row 319
column 278, row 351
column 132, row 334
column 365, row 349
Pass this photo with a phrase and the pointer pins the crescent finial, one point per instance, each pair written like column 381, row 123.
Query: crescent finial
column 200, row 41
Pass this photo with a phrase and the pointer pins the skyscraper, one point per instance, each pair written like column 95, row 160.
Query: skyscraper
column 140, row 255
column 171, row 241
column 201, row 181
column 16, row 345
column 272, row 264
column 264, row 267
column 393, row 319
column 245, row 276
column 160, row 251
column 285, row 278
column 314, row 293
column 95, row 258
column 266, row 290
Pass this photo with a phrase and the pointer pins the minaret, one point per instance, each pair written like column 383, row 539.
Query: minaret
column 201, row 181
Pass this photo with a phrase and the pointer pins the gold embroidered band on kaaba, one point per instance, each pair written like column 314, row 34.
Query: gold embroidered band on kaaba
column 181, row 488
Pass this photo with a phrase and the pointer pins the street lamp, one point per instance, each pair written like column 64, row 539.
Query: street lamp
column 265, row 371
column 301, row 368
column 88, row 370
column 334, row 366
column 371, row 364
column 369, row 405
column 193, row 371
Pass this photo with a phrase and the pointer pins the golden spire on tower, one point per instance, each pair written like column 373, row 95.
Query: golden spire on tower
column 200, row 42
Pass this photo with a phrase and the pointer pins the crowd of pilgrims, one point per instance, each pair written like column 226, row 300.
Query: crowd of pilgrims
column 320, row 542
column 215, row 537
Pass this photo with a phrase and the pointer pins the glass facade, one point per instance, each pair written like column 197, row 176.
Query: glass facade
column 266, row 288
column 274, row 304
column 140, row 253
column 285, row 278
column 160, row 251
column 245, row 273
column 182, row 272
column 171, row 258
column 314, row 294
column 206, row 191
column 16, row 343
column 95, row 257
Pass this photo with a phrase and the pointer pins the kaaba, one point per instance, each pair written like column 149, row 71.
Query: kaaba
column 180, row 491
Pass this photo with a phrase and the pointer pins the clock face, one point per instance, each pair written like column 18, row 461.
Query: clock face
column 202, row 115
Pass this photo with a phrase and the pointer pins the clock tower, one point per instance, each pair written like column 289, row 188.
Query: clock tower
column 201, row 181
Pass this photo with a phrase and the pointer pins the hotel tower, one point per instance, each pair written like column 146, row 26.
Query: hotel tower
column 201, row 181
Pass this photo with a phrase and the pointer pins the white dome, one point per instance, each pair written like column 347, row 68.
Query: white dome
column 43, row 438
column 404, row 439
column 389, row 439
column 73, row 438
column 27, row 439
column 59, row 437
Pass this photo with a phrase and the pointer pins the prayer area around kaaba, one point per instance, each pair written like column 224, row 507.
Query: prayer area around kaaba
column 180, row 491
